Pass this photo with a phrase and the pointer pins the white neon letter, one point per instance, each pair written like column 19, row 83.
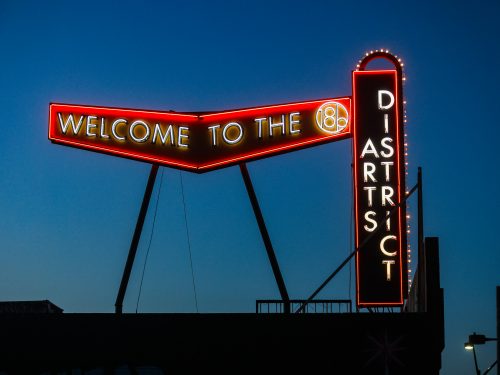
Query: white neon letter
column 169, row 134
column 370, row 195
column 259, row 123
column 388, row 221
column 102, row 131
column 213, row 130
column 387, row 193
column 382, row 245
column 387, row 164
column 388, row 269
column 115, row 125
column 391, row 99
column 181, row 136
column 373, row 222
column 235, row 140
column 369, row 149
column 277, row 125
column 293, row 122
column 70, row 119
column 386, row 123
column 388, row 147
column 131, row 131
column 90, row 126
column 368, row 170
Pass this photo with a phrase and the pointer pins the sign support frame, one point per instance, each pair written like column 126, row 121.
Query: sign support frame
column 325, row 117
column 135, row 238
column 265, row 237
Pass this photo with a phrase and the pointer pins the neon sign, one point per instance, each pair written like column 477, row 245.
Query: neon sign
column 200, row 142
column 379, row 187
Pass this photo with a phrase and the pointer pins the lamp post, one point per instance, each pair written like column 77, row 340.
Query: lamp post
column 477, row 339
column 469, row 346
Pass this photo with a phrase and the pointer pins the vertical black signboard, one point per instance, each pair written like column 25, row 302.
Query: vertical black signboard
column 379, row 187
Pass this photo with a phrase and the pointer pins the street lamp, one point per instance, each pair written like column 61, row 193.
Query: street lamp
column 476, row 339
column 470, row 346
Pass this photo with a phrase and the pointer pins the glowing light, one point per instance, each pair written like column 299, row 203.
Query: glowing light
column 368, row 149
column 69, row 120
column 293, row 122
column 384, row 144
column 332, row 117
column 387, row 193
column 280, row 125
column 115, row 125
column 388, row 263
column 213, row 130
column 259, row 123
column 182, row 136
column 90, row 125
column 370, row 189
column 225, row 130
column 368, row 170
column 113, row 131
column 382, row 245
column 132, row 133
column 381, row 94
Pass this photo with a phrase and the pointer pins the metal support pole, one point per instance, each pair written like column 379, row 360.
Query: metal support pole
column 265, row 237
column 498, row 326
column 135, row 239
column 478, row 372
column 422, row 297
column 490, row 368
column 346, row 260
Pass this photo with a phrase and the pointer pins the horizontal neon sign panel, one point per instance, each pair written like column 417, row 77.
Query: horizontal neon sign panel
column 200, row 142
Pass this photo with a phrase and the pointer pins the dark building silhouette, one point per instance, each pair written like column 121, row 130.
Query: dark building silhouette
column 37, row 338
column 29, row 307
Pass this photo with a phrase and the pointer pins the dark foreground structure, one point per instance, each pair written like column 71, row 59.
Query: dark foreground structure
column 382, row 343
column 371, row 342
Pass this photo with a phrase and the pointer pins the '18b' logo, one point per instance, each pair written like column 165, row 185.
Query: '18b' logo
column 332, row 117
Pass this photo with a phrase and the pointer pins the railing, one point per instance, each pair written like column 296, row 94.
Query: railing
column 318, row 306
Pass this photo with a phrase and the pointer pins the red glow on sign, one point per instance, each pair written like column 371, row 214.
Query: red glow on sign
column 200, row 142
column 379, row 187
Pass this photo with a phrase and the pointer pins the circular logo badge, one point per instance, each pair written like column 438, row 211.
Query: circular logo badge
column 332, row 117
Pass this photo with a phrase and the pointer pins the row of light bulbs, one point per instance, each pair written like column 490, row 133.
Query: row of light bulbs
column 408, row 216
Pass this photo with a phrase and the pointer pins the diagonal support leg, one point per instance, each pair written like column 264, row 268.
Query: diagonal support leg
column 135, row 239
column 265, row 237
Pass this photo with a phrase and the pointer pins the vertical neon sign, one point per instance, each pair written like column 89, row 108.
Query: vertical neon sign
column 379, row 188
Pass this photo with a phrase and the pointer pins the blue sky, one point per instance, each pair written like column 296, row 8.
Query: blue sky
column 68, row 214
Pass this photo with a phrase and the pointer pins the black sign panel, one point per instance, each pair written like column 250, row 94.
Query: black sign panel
column 379, row 187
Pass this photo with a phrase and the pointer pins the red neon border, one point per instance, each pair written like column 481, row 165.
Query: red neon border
column 221, row 114
column 113, row 150
column 194, row 119
column 278, row 149
column 398, row 161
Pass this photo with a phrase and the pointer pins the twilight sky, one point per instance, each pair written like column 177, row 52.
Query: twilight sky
column 68, row 214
